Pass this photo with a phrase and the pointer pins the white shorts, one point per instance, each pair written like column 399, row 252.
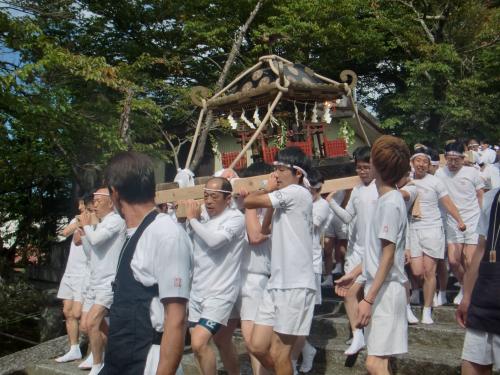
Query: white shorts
column 212, row 308
column 288, row 311
column 337, row 229
column 253, row 286
column 387, row 332
column 428, row 241
column 317, row 299
column 71, row 288
column 352, row 260
column 102, row 296
column 468, row 237
column 482, row 348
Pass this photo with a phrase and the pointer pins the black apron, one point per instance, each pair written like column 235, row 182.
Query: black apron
column 484, row 308
column 131, row 333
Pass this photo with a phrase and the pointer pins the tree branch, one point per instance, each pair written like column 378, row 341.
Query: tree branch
column 202, row 140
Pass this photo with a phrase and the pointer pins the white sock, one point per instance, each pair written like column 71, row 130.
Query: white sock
column 442, row 296
column 338, row 268
column 72, row 355
column 427, row 315
column 96, row 369
column 308, row 354
column 358, row 342
column 412, row 319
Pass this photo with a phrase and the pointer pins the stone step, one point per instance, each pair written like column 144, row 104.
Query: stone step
column 441, row 314
column 419, row 359
column 439, row 335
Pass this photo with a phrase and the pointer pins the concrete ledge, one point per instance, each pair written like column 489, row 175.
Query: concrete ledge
column 18, row 362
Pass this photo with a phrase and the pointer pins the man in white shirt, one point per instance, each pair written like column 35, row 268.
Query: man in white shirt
column 288, row 303
column 383, row 309
column 71, row 287
column 488, row 155
column 465, row 188
column 426, row 233
column 218, row 242
column 151, row 286
column 321, row 216
column 106, row 241
column 255, row 266
column 335, row 242
column 358, row 212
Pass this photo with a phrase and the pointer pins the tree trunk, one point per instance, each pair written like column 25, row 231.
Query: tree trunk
column 235, row 49
column 125, row 118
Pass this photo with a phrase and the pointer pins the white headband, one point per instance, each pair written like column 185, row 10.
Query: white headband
column 218, row 190
column 434, row 162
column 420, row 154
column 317, row 186
column 454, row 153
column 103, row 194
column 305, row 181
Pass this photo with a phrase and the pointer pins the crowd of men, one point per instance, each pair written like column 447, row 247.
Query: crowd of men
column 136, row 273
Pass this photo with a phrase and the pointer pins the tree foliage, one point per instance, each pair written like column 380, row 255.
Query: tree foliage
column 80, row 80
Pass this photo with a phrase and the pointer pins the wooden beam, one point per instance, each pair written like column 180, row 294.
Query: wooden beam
column 249, row 183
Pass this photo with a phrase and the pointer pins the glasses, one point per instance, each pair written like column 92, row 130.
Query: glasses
column 453, row 161
column 99, row 201
column 363, row 169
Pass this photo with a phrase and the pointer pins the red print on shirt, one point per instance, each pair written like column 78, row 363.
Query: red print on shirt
column 177, row 282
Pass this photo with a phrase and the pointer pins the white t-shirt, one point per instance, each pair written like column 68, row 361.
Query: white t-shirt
column 490, row 176
column 321, row 214
column 163, row 256
column 430, row 190
column 106, row 241
column 257, row 258
column 362, row 205
column 217, row 269
column 462, row 187
column 78, row 261
column 292, row 238
column 484, row 220
column 488, row 156
column 390, row 222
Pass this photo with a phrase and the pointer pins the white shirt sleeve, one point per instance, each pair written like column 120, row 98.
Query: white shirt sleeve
column 389, row 222
column 441, row 189
column 347, row 214
column 477, row 180
column 224, row 233
column 320, row 215
column 103, row 231
column 282, row 198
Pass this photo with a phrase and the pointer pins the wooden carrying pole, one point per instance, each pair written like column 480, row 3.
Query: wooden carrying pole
column 250, row 184
column 258, row 131
column 195, row 137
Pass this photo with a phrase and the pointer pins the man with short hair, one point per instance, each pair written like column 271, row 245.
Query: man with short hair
column 218, row 242
column 465, row 189
column 71, row 287
column 358, row 213
column 383, row 308
column 106, row 241
column 288, row 303
column 151, row 286
column 487, row 155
